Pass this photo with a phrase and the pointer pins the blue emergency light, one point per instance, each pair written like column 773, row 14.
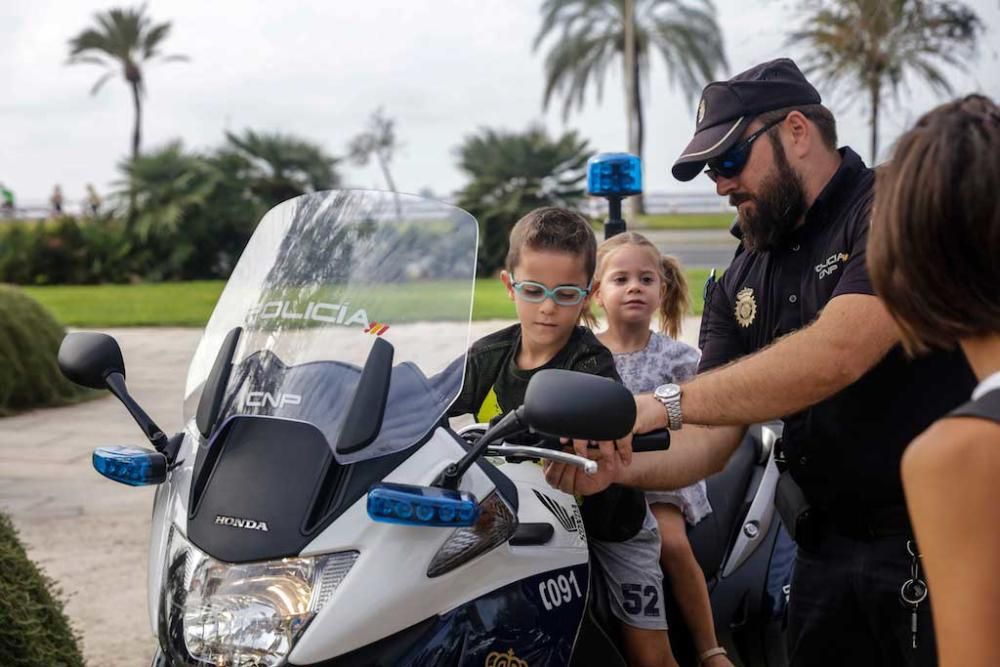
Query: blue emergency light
column 422, row 505
column 614, row 175
column 131, row 465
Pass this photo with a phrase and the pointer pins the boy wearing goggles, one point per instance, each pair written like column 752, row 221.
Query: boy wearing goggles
column 549, row 268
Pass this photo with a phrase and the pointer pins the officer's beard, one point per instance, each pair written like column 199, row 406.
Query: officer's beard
column 777, row 207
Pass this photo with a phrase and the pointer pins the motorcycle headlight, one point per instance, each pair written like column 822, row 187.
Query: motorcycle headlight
column 247, row 614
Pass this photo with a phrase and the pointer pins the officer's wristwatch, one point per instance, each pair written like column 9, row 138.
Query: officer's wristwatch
column 670, row 396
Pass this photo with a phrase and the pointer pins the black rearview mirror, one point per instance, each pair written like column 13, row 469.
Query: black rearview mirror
column 578, row 405
column 88, row 358
column 94, row 360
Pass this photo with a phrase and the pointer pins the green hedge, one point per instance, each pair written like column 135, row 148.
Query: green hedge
column 33, row 629
column 66, row 250
column 29, row 344
column 82, row 251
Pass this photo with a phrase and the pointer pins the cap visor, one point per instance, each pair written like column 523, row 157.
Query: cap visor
column 708, row 143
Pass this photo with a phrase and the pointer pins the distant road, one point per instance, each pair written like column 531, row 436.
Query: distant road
column 696, row 248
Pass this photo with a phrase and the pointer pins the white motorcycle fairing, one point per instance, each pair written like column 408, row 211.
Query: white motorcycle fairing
column 542, row 587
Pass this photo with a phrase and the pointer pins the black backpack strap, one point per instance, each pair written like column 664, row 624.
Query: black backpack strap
column 986, row 406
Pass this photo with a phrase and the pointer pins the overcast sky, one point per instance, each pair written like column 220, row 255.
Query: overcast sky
column 441, row 68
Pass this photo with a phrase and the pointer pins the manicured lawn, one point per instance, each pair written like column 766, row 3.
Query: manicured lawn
column 685, row 221
column 153, row 304
column 191, row 303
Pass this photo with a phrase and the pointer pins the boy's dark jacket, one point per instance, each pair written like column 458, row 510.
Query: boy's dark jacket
column 495, row 385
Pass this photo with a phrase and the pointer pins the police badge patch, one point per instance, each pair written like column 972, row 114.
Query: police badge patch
column 701, row 111
column 508, row 659
column 746, row 307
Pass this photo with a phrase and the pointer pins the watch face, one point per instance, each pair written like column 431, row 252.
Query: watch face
column 667, row 391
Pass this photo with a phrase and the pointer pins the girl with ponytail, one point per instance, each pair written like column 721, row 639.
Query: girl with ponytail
column 632, row 283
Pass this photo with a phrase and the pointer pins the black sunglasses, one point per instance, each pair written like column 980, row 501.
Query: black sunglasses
column 731, row 163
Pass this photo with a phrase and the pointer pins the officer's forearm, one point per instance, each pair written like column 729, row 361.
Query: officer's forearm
column 695, row 453
column 850, row 336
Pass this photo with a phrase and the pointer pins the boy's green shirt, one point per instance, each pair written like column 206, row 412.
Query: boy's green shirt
column 494, row 385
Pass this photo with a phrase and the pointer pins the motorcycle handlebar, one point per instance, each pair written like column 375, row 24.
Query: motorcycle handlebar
column 654, row 441
column 589, row 467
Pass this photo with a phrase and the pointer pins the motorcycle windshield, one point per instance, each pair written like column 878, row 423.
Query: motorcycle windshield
column 323, row 277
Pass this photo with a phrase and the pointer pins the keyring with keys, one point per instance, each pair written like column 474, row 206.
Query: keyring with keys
column 914, row 590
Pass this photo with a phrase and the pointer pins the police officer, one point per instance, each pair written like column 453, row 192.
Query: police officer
column 793, row 330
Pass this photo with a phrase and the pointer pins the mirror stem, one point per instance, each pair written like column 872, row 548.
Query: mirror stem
column 508, row 425
column 116, row 383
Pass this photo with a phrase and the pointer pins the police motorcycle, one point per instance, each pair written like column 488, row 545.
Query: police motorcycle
column 317, row 508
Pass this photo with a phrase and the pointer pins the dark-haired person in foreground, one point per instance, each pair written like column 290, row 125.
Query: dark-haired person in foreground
column 793, row 330
column 933, row 258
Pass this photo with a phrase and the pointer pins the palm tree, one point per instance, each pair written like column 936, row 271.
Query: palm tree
column 124, row 38
column 279, row 166
column 162, row 187
column 869, row 47
column 512, row 173
column 378, row 141
column 592, row 34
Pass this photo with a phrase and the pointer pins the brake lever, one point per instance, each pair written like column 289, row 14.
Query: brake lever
column 589, row 467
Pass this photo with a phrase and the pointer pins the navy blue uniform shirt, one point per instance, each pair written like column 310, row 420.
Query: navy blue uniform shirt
column 845, row 451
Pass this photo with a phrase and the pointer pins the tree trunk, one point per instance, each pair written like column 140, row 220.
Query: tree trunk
column 633, row 112
column 639, row 201
column 384, row 166
column 137, row 103
column 875, row 99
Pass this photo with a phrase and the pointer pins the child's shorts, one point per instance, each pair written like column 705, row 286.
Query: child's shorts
column 631, row 572
column 692, row 501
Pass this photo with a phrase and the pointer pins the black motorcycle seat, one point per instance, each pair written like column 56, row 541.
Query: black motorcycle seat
column 727, row 492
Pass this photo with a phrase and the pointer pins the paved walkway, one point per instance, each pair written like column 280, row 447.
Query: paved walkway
column 88, row 533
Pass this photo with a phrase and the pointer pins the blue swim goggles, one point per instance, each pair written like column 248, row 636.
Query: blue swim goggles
column 562, row 295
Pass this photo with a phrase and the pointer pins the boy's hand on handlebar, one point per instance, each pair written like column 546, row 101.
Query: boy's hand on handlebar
column 571, row 479
column 624, row 447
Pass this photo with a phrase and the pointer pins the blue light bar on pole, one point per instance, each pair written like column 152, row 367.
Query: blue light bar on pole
column 614, row 175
